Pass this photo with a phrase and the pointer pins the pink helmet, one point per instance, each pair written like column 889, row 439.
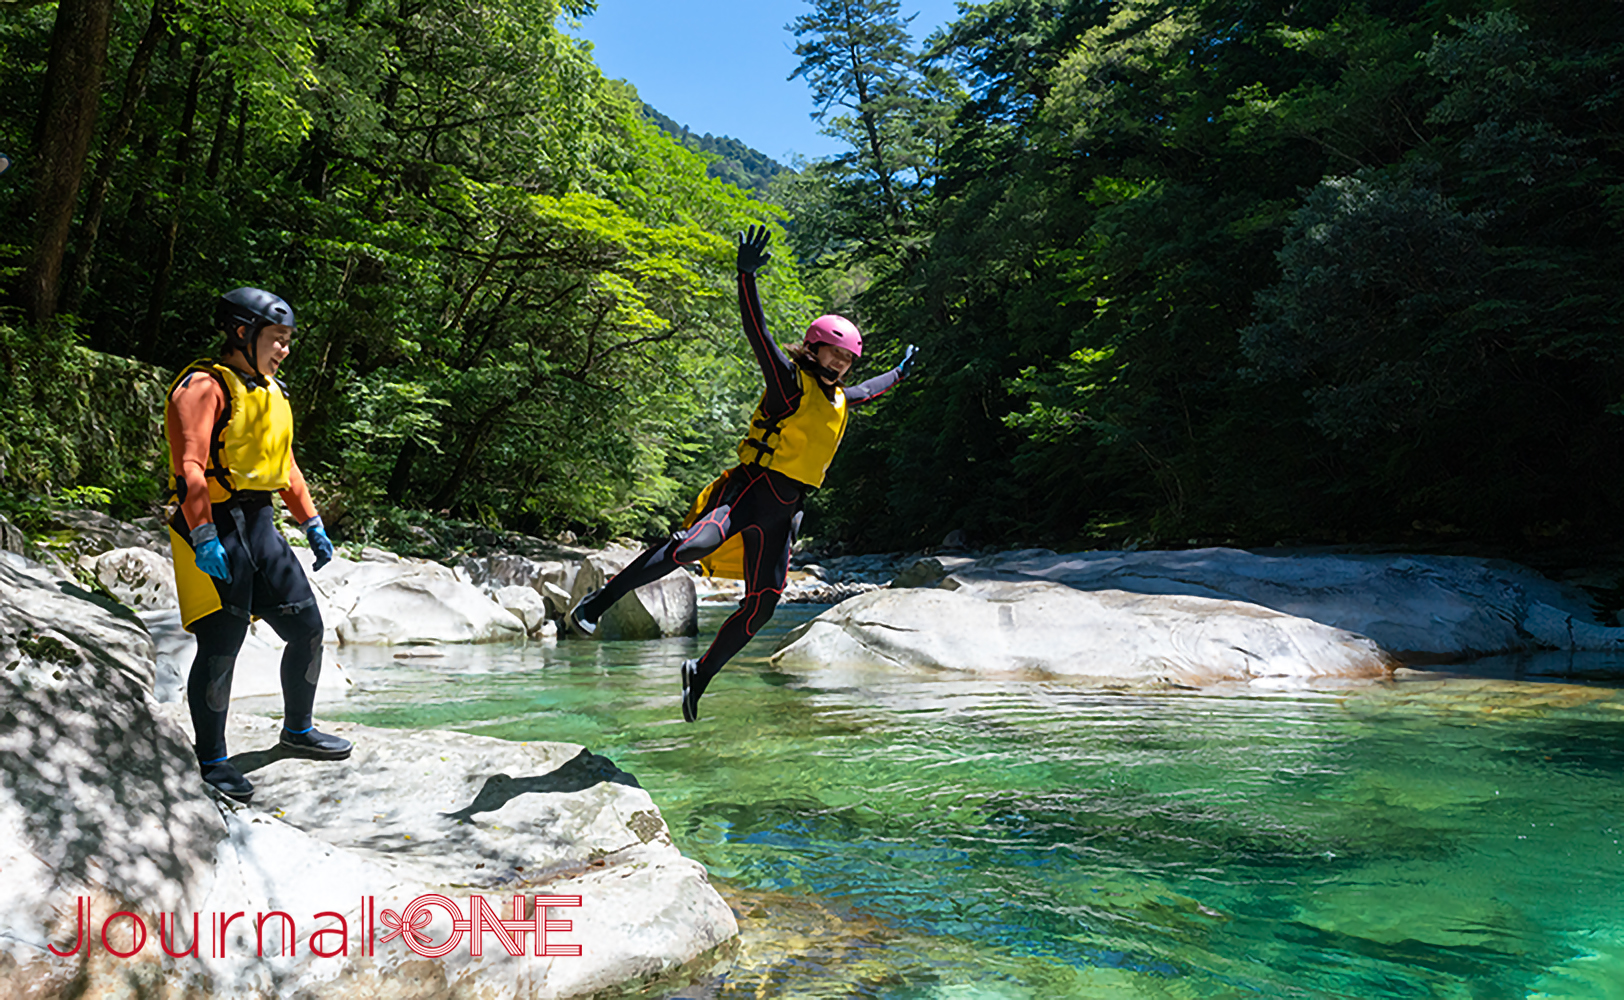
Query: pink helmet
column 836, row 330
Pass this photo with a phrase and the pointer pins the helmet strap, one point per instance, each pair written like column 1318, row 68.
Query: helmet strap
column 820, row 372
column 247, row 344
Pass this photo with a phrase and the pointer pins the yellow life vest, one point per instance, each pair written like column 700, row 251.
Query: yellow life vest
column 252, row 445
column 801, row 445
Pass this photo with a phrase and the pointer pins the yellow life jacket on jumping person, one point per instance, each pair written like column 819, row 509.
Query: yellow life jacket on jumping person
column 252, row 445
column 801, row 445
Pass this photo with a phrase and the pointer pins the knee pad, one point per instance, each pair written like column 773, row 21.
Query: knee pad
column 217, row 695
column 313, row 670
column 698, row 543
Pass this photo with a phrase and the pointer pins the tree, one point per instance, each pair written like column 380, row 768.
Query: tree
column 855, row 55
column 67, row 121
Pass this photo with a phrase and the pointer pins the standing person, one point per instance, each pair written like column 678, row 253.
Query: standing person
column 743, row 525
column 230, row 432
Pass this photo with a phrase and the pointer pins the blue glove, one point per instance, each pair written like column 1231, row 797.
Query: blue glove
column 320, row 544
column 211, row 559
column 753, row 253
column 906, row 367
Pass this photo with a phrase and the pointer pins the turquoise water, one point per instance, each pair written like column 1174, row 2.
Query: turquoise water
column 952, row 837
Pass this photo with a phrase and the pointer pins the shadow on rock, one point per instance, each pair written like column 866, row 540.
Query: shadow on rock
column 253, row 760
column 581, row 772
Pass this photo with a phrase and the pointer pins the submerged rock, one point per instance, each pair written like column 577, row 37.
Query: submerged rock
column 1108, row 636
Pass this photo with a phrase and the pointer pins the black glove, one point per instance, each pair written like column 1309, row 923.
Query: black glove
column 753, row 253
column 905, row 368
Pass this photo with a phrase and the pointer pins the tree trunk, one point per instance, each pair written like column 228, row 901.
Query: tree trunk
column 865, row 111
column 66, row 124
column 135, row 88
column 401, row 475
column 242, row 131
column 222, row 125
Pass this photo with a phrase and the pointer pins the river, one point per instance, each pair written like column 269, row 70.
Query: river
column 1448, row 836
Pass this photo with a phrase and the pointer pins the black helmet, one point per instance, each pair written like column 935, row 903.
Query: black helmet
column 254, row 308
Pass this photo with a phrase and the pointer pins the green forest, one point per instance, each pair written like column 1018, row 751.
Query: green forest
column 1237, row 272
column 730, row 159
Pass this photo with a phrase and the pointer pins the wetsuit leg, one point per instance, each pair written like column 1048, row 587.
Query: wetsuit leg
column 284, row 600
column 301, row 663
column 767, row 515
column 208, row 688
column 684, row 547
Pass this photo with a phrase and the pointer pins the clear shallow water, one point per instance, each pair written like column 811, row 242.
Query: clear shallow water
column 882, row 836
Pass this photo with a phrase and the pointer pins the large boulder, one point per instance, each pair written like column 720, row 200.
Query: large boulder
column 1416, row 606
column 102, row 811
column 668, row 606
column 1110, row 637
column 384, row 599
column 425, row 611
column 77, row 533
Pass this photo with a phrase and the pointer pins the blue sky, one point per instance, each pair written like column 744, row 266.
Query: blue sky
column 721, row 66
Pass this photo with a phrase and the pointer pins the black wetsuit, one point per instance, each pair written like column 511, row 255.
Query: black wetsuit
column 266, row 582
column 762, row 505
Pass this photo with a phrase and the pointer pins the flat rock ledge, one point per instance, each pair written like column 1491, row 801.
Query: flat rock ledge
column 1111, row 637
column 102, row 812
column 1421, row 608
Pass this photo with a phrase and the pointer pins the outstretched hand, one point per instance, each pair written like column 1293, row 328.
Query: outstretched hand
column 905, row 367
column 753, row 253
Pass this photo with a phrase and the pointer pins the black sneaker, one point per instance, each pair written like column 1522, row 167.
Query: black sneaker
column 690, row 690
column 314, row 745
column 575, row 618
column 223, row 777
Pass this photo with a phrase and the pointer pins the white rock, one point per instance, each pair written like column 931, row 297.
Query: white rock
column 1435, row 606
column 101, row 801
column 666, row 607
column 524, row 604
column 557, row 598
column 1106, row 636
column 383, row 599
column 140, row 577
column 425, row 610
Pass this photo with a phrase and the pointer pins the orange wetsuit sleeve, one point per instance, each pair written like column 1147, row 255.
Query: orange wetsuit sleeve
column 194, row 408
column 297, row 495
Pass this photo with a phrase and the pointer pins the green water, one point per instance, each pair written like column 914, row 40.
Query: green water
column 950, row 837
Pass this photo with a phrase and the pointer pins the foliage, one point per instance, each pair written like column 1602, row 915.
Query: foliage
column 729, row 159
column 514, row 292
column 77, row 428
column 1244, row 272
column 1217, row 271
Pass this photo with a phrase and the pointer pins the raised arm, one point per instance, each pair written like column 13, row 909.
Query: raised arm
column 876, row 387
column 779, row 372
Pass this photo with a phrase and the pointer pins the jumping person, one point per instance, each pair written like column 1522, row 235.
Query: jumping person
column 230, row 433
column 744, row 524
